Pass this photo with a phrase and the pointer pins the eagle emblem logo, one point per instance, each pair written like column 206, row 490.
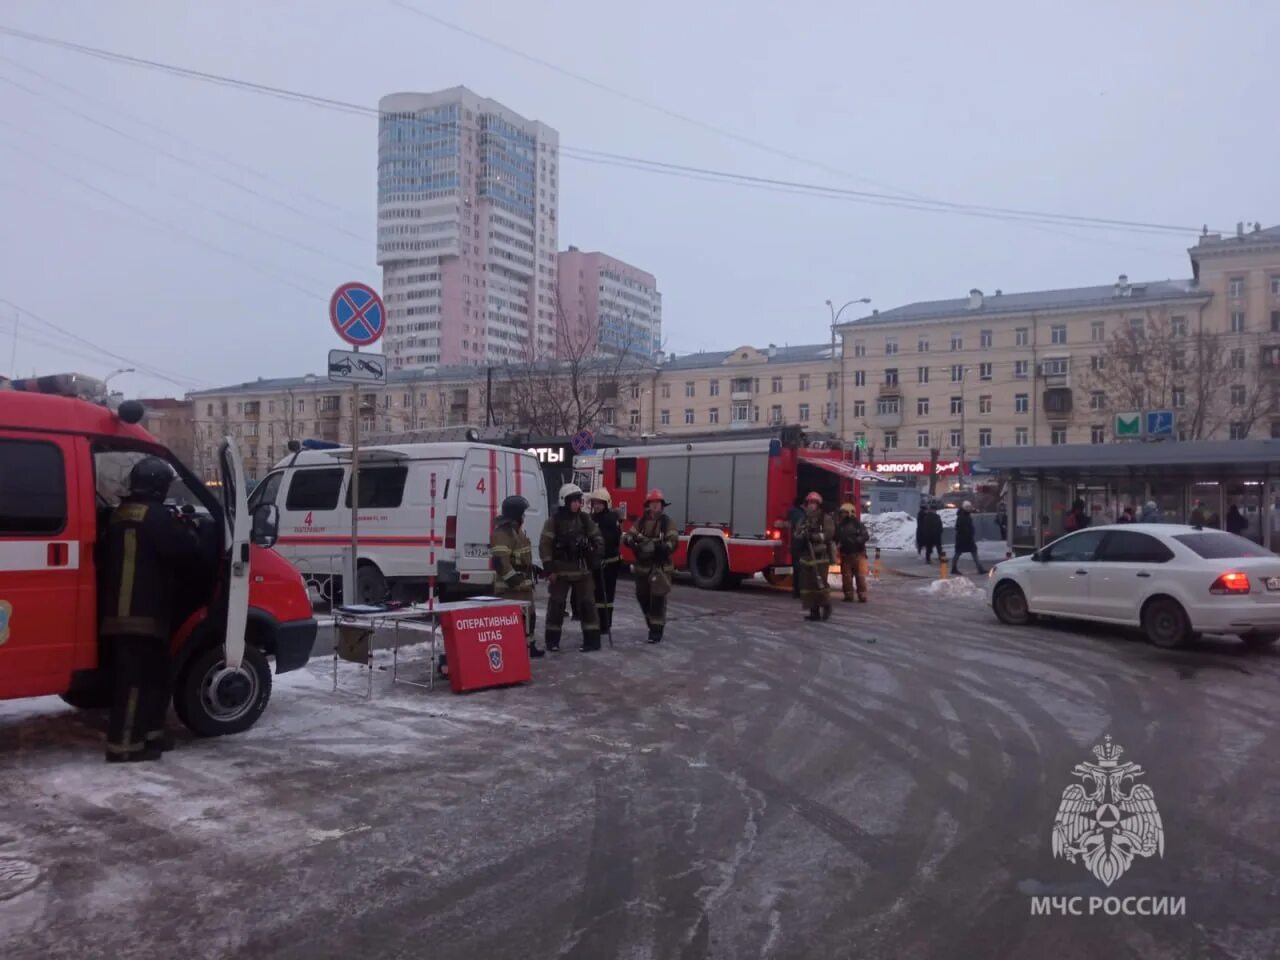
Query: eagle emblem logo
column 495, row 657
column 1108, row 818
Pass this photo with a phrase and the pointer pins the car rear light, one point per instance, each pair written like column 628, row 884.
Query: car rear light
column 1228, row 583
column 451, row 533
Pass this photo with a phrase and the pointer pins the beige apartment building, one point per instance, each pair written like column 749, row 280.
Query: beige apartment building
column 1020, row 368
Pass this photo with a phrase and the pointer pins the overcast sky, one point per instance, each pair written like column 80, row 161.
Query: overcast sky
column 143, row 245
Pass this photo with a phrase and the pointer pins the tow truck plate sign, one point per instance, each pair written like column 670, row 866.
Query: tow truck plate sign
column 348, row 367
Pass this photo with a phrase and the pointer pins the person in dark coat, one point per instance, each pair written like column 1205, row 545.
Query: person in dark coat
column 606, row 577
column 920, row 525
column 1236, row 521
column 794, row 516
column 966, row 539
column 1076, row 518
column 1126, row 515
column 930, row 528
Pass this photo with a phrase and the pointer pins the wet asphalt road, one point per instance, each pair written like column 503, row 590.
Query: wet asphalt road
column 882, row 785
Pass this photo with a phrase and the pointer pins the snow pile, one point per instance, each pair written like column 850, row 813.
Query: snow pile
column 897, row 530
column 955, row 587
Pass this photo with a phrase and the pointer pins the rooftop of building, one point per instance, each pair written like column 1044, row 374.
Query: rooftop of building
column 977, row 304
column 1255, row 233
column 802, row 353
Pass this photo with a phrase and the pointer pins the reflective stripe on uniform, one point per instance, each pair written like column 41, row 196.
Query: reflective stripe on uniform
column 127, row 570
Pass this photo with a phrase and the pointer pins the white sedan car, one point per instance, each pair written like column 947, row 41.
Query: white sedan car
column 1172, row 581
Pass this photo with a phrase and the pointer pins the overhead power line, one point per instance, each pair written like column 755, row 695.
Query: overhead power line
column 640, row 163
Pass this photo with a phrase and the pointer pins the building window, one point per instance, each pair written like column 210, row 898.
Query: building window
column 984, row 339
column 888, row 405
column 714, row 388
column 606, row 415
column 957, row 440
column 957, row 406
column 1235, row 288
column 984, row 403
column 1178, row 326
column 891, row 440
column 635, row 391
column 922, row 439
column 1058, row 333
column 957, row 342
column 1275, row 286
column 859, row 379
column 890, row 346
column 1097, row 400
column 688, row 416
column 1021, row 403
column 1178, row 397
column 1055, row 367
column 984, row 437
column 922, row 345
column 1237, row 358
column 984, row 371
column 1239, row 431
column 833, row 380
column 776, row 384
column 1097, row 363
column 688, row 388
column 1058, row 436
column 957, row 373
column 922, row 374
column 1178, row 360
column 859, row 348
column 634, row 418
column 859, row 408
column 1237, row 395
column 922, row 406
column 1020, row 369
column 1275, row 321
column 1098, row 331
column 775, row 414
column 1020, row 436
column 804, row 382
column 1021, row 336
column 1097, row 433
column 713, row 415
column 891, row 376
column 666, row 391
column 664, row 418
column 1237, row 321
column 1138, row 326
column 804, row 413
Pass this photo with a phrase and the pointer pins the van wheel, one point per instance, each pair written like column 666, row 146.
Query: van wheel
column 708, row 564
column 1165, row 623
column 212, row 701
column 371, row 585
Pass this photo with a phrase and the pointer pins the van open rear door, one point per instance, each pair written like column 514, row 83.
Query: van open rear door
column 236, row 537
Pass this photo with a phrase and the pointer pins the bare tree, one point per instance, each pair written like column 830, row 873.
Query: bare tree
column 1209, row 379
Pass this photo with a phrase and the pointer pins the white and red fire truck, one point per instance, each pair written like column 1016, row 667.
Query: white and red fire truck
column 729, row 498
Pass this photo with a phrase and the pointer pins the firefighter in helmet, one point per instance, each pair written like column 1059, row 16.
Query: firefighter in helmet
column 571, row 548
column 606, row 577
column 851, row 538
column 653, row 540
column 513, row 563
column 813, row 538
column 147, row 548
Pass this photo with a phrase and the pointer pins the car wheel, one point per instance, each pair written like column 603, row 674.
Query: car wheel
column 1257, row 639
column 1010, row 605
column 212, row 701
column 708, row 564
column 371, row 585
column 1165, row 623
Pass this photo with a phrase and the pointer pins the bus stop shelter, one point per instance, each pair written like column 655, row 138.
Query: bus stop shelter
column 1041, row 483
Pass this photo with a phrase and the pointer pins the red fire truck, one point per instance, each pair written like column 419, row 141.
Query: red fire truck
column 729, row 497
column 65, row 458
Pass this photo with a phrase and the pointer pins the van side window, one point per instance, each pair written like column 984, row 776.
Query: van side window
column 266, row 491
column 380, row 487
column 626, row 467
column 315, row 489
column 33, row 488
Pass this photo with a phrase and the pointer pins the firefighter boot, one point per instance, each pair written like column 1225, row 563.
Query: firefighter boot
column 655, row 633
column 814, row 614
column 534, row 652
column 160, row 741
column 826, row 612
column 590, row 641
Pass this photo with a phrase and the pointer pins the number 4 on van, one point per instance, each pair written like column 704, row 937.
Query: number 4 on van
column 480, row 485
column 306, row 521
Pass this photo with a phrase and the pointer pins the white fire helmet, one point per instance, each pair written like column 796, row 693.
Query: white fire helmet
column 568, row 491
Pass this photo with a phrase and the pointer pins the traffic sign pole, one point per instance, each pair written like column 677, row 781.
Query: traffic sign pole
column 355, row 486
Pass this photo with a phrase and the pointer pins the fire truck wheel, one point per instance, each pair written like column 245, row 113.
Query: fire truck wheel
column 212, row 701
column 708, row 564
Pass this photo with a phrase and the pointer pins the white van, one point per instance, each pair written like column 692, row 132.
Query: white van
column 398, row 533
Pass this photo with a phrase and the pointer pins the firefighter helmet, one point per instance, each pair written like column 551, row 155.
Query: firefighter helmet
column 568, row 492
column 601, row 494
column 848, row 508
column 150, row 479
column 656, row 495
column 513, row 508
column 814, row 497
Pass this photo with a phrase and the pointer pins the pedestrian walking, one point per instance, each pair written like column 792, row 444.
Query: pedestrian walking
column 794, row 516
column 1237, row 523
column 851, row 537
column 930, row 527
column 1076, row 518
column 606, row 578
column 572, row 541
column 512, row 555
column 146, row 551
column 920, row 526
column 966, row 538
column 1126, row 515
column 814, row 538
column 1150, row 512
column 653, row 540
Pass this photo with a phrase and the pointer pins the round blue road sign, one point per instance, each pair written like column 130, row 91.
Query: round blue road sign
column 357, row 314
column 582, row 440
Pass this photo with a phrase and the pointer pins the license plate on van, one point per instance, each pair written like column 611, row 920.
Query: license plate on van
column 1273, row 583
column 480, row 551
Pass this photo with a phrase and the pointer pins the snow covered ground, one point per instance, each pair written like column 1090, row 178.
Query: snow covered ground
column 897, row 530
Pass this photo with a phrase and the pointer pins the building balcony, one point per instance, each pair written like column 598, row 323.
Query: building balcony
column 330, row 413
column 1057, row 404
column 886, row 421
column 890, row 390
column 741, row 395
column 252, row 411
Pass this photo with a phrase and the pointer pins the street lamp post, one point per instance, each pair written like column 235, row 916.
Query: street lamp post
column 116, row 373
column 831, row 387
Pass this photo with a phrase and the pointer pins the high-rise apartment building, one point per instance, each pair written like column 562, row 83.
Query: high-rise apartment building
column 606, row 305
column 467, row 197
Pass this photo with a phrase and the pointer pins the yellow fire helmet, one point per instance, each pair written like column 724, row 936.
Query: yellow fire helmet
column 848, row 508
column 601, row 494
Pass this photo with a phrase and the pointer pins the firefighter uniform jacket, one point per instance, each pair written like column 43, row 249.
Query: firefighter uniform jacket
column 570, row 544
column 147, row 548
column 654, row 542
column 852, row 536
column 813, row 539
column 512, row 558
